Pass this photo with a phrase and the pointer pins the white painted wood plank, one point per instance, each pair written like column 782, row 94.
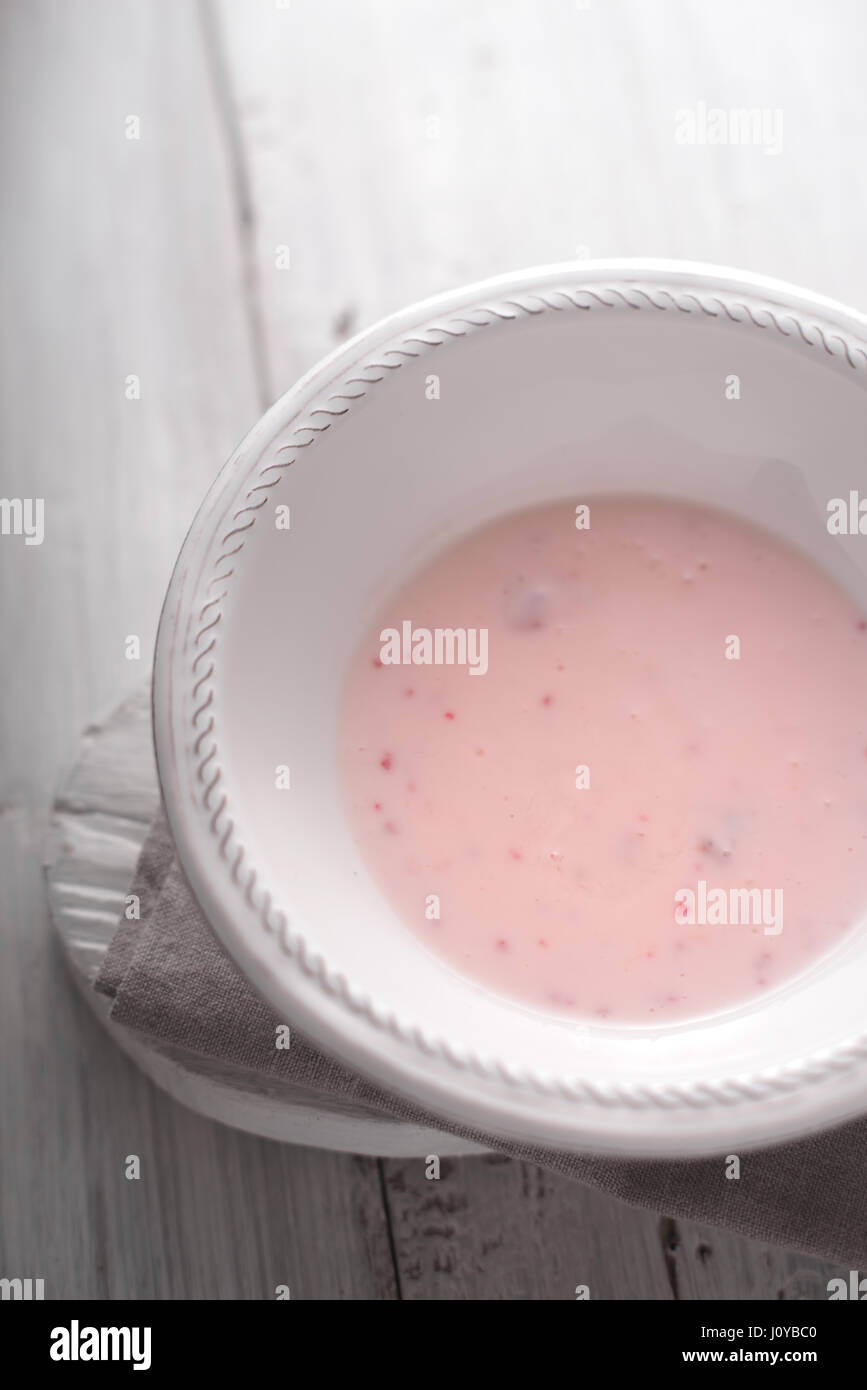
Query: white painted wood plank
column 121, row 258
column 704, row 1264
column 400, row 149
column 493, row 1228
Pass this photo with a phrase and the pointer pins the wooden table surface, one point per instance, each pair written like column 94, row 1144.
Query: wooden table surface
column 396, row 148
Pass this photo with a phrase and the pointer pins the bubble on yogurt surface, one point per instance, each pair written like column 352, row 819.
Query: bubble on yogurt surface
column 528, row 604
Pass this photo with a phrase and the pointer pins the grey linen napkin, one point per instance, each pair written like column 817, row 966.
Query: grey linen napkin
column 170, row 978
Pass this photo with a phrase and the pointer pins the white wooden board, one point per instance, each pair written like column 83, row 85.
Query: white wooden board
column 307, row 125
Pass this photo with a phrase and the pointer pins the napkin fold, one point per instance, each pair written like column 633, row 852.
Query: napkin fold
column 170, row 978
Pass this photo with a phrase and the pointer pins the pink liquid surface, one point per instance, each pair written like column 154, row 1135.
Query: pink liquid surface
column 607, row 649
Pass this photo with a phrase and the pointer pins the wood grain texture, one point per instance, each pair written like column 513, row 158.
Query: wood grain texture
column 396, row 149
column 403, row 149
column 493, row 1228
column 122, row 257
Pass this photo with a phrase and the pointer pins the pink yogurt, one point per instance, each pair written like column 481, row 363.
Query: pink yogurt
column 535, row 824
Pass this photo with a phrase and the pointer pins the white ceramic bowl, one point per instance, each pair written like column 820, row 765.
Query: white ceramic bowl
column 558, row 382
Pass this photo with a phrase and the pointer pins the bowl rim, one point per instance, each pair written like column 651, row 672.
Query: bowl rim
column 483, row 1095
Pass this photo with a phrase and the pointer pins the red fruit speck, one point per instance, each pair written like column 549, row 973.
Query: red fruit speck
column 377, row 663
column 390, row 827
column 502, row 944
column 547, row 699
column 385, row 762
column 862, row 626
column 449, row 714
column 515, row 854
column 377, row 805
column 409, row 693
